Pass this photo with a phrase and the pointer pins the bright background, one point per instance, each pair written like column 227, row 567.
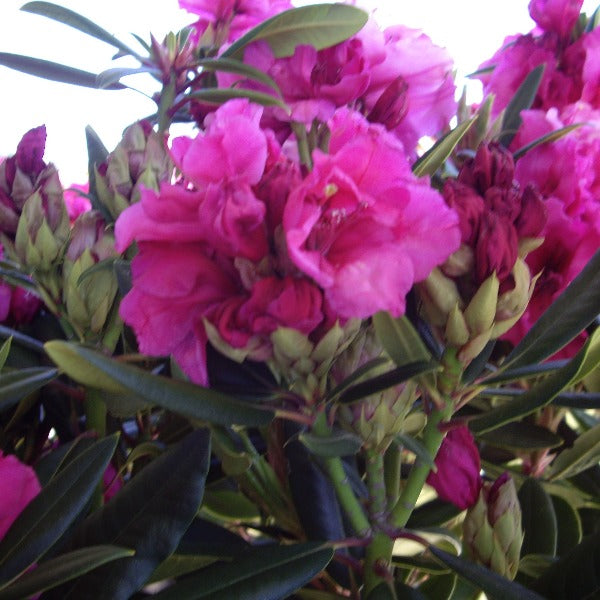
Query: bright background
column 471, row 30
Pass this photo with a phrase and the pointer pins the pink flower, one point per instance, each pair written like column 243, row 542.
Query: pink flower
column 76, row 200
column 362, row 226
column 18, row 486
column 558, row 16
column 24, row 305
column 457, row 478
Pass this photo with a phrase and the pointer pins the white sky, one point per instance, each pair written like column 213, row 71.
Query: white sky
column 471, row 30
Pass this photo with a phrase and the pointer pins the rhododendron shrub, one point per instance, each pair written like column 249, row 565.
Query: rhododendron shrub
column 226, row 253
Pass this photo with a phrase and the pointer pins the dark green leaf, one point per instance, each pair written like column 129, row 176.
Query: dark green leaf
column 21, row 339
column 221, row 95
column 491, row 583
column 386, row 380
column 177, row 565
column 231, row 65
column 437, row 155
column 95, row 369
column 150, row 515
column 384, row 592
column 339, row 443
column 528, row 372
column 522, row 100
column 568, row 315
column 593, row 21
column 51, row 70
column 357, row 375
column 72, row 19
column 538, row 520
column 584, row 453
column 229, row 505
column 568, row 524
column 416, row 447
column 549, row 137
column 400, row 339
column 576, row 575
column 4, row 350
column 262, row 573
column 522, row 436
column 478, row 364
column 53, row 510
column 440, row 587
column 432, row 514
column 543, row 393
column 17, row 384
column 50, row 464
column 319, row 25
column 583, row 400
column 63, row 568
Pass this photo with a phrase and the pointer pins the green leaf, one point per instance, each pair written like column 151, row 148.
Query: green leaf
column 491, row 583
column 384, row 592
column 434, row 513
column 522, row 436
column 568, row 315
column 4, row 350
column 545, row 139
column 21, row 339
column 584, row 453
column 400, row 339
column 77, row 21
column 177, row 565
column 568, row 524
column 319, row 25
column 522, row 100
column 386, row 380
column 437, row 155
column 593, row 21
column 221, row 95
column 231, row 65
column 440, row 587
column 16, row 385
column 416, row 447
column 52, row 71
column 63, row 568
column 526, row 372
column 150, row 515
column 110, row 76
column 538, row 519
column 261, row 573
column 543, row 393
column 576, row 575
column 357, row 375
column 229, row 505
column 49, row 465
column 96, row 370
column 338, row 443
column 52, row 511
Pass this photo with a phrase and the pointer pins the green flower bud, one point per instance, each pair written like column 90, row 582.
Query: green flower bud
column 492, row 530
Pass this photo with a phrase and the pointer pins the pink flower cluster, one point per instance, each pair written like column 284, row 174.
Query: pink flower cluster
column 247, row 242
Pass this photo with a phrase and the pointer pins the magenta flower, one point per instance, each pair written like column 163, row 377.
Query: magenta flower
column 457, row 478
column 76, row 200
column 558, row 16
column 362, row 226
column 18, row 486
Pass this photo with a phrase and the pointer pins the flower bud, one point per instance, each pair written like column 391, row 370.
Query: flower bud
column 492, row 527
column 457, row 477
column 139, row 159
column 88, row 299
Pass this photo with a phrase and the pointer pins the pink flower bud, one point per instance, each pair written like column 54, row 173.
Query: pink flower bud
column 493, row 165
column 497, row 247
column 30, row 151
column 470, row 208
column 24, row 305
column 18, row 486
column 457, row 478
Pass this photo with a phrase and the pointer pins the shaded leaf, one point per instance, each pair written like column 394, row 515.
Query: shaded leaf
column 440, row 587
column 416, row 447
column 522, row 436
column 49, row 465
column 61, row 569
column 51, row 70
column 538, row 519
column 53, row 510
column 319, row 25
column 261, row 573
column 400, row 339
column 338, row 443
column 522, row 100
column 584, row 453
column 77, row 21
column 568, row 525
column 229, row 505
column 566, row 317
column 437, row 155
column 384, row 592
column 576, row 575
column 432, row 514
column 16, row 385
column 491, row 583
column 527, row 372
column 96, row 370
column 177, row 565
column 150, row 515
column 4, row 350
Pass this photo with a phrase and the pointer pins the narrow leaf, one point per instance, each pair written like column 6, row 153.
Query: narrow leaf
column 53, row 510
column 16, row 385
column 400, row 339
column 339, row 443
column 491, row 583
column 545, row 139
column 437, row 155
column 51, row 70
column 77, row 21
column 522, row 436
column 584, row 453
column 221, row 95
column 111, row 76
column 319, row 25
column 568, row 524
column 4, row 350
column 63, row 568
column 95, row 369
column 522, row 100
column 538, row 519
column 417, row 448
column 149, row 515
column 265, row 573
column 230, row 65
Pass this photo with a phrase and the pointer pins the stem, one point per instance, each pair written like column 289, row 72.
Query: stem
column 303, row 147
column 335, row 470
column 392, row 466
